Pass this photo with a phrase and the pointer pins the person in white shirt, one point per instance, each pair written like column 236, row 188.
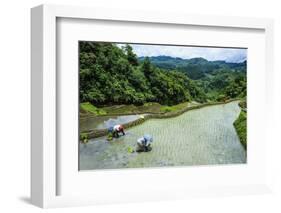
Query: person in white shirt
column 118, row 129
column 144, row 143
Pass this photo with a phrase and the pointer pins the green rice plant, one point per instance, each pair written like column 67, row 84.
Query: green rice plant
column 130, row 150
column 110, row 136
column 84, row 137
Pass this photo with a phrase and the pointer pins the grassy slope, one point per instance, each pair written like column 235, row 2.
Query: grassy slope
column 174, row 107
column 132, row 109
column 88, row 108
column 241, row 127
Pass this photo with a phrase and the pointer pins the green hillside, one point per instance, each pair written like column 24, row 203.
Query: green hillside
column 217, row 79
column 110, row 75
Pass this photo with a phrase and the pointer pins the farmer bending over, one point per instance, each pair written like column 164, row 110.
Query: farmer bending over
column 144, row 143
column 117, row 129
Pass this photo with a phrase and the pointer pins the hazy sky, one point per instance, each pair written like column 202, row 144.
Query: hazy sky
column 211, row 54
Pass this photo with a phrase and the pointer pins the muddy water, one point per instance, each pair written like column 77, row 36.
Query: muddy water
column 198, row 137
column 103, row 122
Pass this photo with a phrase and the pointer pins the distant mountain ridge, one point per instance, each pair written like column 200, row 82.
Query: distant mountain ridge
column 195, row 68
column 180, row 61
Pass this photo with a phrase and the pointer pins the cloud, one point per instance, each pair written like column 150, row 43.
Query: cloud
column 186, row 52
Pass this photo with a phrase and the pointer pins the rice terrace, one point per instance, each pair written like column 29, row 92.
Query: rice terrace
column 154, row 105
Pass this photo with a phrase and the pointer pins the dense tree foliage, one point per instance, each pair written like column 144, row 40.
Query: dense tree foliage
column 110, row 74
column 200, row 65
column 219, row 80
column 113, row 75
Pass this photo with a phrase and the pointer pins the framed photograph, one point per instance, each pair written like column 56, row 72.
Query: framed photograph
column 131, row 106
column 151, row 105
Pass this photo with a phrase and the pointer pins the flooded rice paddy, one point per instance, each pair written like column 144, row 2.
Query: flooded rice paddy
column 203, row 136
column 103, row 122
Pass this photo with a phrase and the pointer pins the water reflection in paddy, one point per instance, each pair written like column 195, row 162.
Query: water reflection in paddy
column 198, row 137
column 103, row 122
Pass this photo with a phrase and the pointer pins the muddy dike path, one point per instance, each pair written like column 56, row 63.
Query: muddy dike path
column 204, row 136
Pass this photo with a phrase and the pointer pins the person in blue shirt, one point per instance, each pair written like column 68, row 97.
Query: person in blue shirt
column 144, row 144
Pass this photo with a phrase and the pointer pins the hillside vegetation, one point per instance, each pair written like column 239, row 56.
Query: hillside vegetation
column 218, row 79
column 241, row 124
column 110, row 75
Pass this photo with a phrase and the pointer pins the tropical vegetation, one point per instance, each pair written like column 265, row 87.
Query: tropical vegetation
column 110, row 75
column 113, row 75
column 241, row 123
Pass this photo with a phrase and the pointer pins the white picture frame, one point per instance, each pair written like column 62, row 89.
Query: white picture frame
column 44, row 150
